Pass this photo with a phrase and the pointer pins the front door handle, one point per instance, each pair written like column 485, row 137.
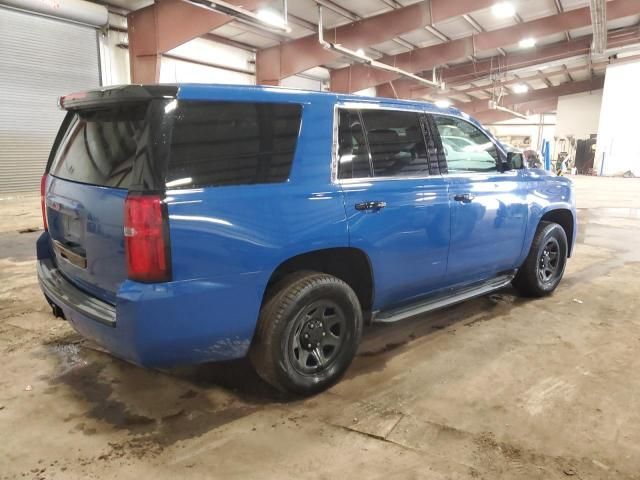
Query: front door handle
column 464, row 197
column 374, row 205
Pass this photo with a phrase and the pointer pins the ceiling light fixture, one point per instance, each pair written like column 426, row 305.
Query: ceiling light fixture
column 360, row 52
column 503, row 10
column 527, row 42
column 444, row 103
column 520, row 88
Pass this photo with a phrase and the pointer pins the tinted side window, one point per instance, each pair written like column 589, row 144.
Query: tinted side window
column 232, row 143
column 396, row 143
column 466, row 147
column 353, row 155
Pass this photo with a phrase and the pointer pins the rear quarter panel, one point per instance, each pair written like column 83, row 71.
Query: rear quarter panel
column 224, row 233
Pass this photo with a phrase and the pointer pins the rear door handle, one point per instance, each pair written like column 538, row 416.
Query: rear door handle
column 464, row 197
column 374, row 205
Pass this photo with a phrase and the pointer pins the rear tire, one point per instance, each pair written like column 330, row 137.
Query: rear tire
column 542, row 271
column 308, row 333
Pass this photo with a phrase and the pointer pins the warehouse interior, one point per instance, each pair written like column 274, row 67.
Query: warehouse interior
column 499, row 387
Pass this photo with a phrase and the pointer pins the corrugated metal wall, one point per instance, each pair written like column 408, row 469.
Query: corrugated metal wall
column 40, row 59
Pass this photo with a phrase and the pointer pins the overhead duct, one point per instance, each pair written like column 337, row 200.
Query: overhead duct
column 79, row 11
column 599, row 22
column 365, row 59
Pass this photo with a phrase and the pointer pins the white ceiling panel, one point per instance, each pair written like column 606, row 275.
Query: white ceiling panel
column 455, row 28
column 558, row 37
column 459, row 98
column 624, row 22
column 481, row 83
column 254, row 39
column 536, row 84
column 308, row 10
column 489, row 21
column 339, row 63
column 581, row 75
column 488, row 53
column 421, row 38
column 479, row 95
column 555, row 81
column 390, row 48
column 229, row 30
column 573, row 4
column 531, row 10
column 363, row 8
column 581, row 32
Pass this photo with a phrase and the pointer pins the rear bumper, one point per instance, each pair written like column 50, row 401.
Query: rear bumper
column 164, row 324
column 66, row 295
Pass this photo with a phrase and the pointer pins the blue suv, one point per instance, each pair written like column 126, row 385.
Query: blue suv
column 198, row 223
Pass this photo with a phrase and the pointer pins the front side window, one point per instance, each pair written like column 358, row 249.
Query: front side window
column 396, row 143
column 232, row 143
column 465, row 146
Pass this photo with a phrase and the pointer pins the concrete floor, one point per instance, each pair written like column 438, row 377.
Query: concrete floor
column 499, row 387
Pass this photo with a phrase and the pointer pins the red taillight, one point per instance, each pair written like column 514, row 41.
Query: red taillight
column 43, row 204
column 146, row 233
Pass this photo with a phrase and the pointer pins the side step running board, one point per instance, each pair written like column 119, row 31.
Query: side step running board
column 443, row 300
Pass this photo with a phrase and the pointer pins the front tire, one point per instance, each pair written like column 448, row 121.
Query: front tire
column 308, row 333
column 544, row 267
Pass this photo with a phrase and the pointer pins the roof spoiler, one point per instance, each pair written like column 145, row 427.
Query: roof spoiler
column 118, row 94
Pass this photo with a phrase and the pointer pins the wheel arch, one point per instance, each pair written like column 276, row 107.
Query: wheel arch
column 349, row 264
column 565, row 218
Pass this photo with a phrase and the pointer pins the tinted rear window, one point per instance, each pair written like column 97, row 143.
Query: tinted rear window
column 100, row 147
column 232, row 143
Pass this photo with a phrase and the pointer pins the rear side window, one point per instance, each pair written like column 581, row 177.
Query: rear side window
column 100, row 147
column 396, row 143
column 232, row 143
column 353, row 154
column 465, row 146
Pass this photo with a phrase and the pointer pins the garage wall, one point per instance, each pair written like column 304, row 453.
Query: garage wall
column 618, row 147
column 578, row 115
column 536, row 127
column 114, row 58
column 41, row 58
column 237, row 65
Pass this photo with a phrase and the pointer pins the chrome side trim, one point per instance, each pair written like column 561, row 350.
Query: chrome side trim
column 443, row 300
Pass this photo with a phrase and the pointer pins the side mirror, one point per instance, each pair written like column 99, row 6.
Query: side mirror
column 515, row 161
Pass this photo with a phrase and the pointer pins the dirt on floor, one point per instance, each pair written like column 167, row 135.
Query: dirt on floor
column 497, row 388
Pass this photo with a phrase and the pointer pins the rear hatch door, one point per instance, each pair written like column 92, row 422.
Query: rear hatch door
column 104, row 150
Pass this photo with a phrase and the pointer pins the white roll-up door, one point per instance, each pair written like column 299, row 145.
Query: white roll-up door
column 41, row 58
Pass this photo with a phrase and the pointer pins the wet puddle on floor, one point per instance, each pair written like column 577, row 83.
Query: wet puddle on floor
column 623, row 239
column 153, row 409
column 70, row 356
